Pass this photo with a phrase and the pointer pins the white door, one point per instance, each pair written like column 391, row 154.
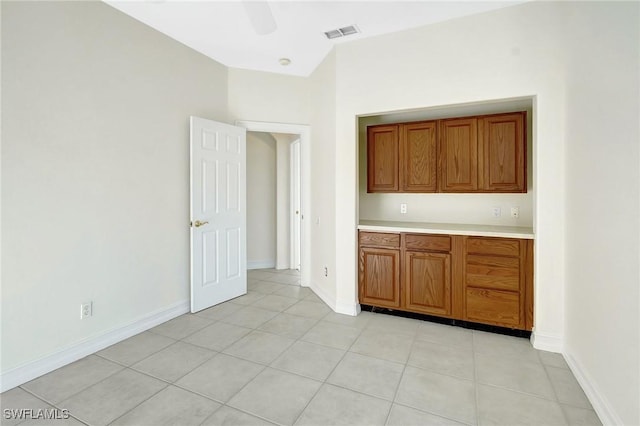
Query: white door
column 296, row 203
column 218, row 213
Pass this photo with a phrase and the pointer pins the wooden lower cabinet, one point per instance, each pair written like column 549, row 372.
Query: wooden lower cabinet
column 427, row 282
column 379, row 276
column 478, row 279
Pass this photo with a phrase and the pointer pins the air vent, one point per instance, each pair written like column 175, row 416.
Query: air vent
column 342, row 32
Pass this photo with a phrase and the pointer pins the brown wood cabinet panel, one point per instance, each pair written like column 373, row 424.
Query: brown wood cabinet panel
column 427, row 282
column 495, row 272
column 458, row 155
column 527, row 269
column 494, row 307
column 502, row 143
column 427, row 242
column 418, row 157
column 379, row 239
column 379, row 277
column 382, row 159
column 497, row 246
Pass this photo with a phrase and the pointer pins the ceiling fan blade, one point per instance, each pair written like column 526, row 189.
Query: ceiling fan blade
column 260, row 15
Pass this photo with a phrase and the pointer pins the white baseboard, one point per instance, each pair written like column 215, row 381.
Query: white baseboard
column 19, row 375
column 352, row 309
column 547, row 342
column 261, row 264
column 600, row 403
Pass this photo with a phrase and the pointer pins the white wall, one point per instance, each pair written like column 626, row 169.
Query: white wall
column 509, row 53
column 322, row 97
column 603, row 204
column 95, row 171
column 261, row 200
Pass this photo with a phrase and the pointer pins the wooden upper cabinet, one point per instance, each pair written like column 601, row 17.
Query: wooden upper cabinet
column 418, row 155
column 502, row 143
column 485, row 153
column 382, row 159
column 458, row 155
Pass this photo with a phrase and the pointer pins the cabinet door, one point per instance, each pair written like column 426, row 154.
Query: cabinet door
column 502, row 142
column 427, row 282
column 379, row 277
column 418, row 155
column 458, row 155
column 382, row 159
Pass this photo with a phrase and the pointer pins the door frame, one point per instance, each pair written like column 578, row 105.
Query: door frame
column 295, row 179
column 305, row 185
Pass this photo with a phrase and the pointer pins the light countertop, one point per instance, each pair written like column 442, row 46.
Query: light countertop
column 447, row 228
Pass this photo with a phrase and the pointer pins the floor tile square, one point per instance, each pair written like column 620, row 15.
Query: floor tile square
column 221, row 377
column 309, row 360
column 373, row 376
column 513, row 374
column 406, row 416
column 552, row 359
column 104, row 402
column 292, row 326
column 247, row 299
column 276, row 396
column 442, row 359
column 501, row 407
column 170, row 406
column 504, row 346
column 227, row 416
column 283, row 279
column 182, row 326
column 331, row 334
column 267, row 287
column 442, row 395
column 309, row 309
column 443, row 334
column 273, row 302
column 359, row 321
column 337, row 406
column 294, row 291
column 250, row 317
column 136, row 348
column 18, row 398
column 174, row 361
column 567, row 388
column 389, row 346
column 259, row 347
column 66, row 381
column 220, row 311
column 217, row 336
column 381, row 323
column 580, row 416
column 312, row 297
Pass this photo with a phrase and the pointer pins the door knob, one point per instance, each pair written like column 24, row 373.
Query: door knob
column 198, row 224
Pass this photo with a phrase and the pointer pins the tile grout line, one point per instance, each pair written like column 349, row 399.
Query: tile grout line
column 324, row 382
column 404, row 368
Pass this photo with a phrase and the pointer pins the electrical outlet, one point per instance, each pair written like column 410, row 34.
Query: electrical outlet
column 403, row 208
column 326, row 271
column 515, row 212
column 86, row 310
column 496, row 211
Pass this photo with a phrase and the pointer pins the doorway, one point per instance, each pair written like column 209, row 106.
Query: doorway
column 293, row 219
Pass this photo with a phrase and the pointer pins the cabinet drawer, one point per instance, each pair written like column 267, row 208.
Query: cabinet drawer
column 493, row 306
column 495, row 272
column 427, row 242
column 497, row 246
column 379, row 239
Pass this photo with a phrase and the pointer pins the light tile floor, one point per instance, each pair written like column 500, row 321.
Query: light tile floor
column 279, row 355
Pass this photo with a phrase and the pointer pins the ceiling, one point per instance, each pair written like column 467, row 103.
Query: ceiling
column 222, row 30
